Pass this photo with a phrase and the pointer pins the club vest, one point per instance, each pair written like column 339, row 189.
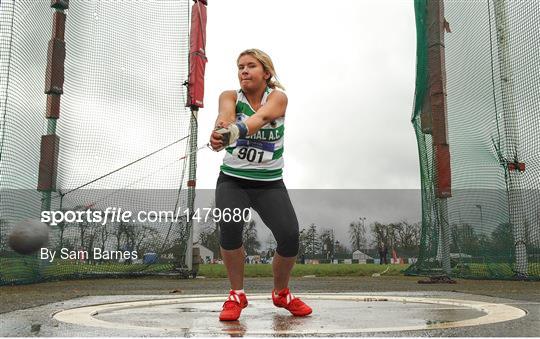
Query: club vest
column 260, row 155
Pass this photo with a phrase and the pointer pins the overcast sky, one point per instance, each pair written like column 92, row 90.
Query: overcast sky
column 349, row 71
column 348, row 68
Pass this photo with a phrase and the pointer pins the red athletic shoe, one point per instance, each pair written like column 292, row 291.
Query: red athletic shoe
column 233, row 306
column 285, row 299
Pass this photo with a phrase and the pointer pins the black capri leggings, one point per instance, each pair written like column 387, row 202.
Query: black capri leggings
column 269, row 199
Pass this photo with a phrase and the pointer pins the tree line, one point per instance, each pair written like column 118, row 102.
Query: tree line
column 315, row 241
column 320, row 242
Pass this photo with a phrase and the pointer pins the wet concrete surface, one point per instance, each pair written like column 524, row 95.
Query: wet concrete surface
column 261, row 317
column 340, row 314
column 25, row 296
column 28, row 310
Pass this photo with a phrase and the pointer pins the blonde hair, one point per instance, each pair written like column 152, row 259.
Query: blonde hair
column 268, row 66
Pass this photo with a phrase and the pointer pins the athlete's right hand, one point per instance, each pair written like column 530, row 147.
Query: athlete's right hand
column 216, row 140
column 224, row 136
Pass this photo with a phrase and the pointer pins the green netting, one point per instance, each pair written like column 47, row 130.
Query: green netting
column 122, row 121
column 493, row 102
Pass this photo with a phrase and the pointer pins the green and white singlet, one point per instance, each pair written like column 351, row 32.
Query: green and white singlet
column 260, row 155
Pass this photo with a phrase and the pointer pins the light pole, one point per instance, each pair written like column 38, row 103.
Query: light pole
column 333, row 245
column 336, row 244
column 302, row 247
column 362, row 219
column 481, row 217
column 313, row 244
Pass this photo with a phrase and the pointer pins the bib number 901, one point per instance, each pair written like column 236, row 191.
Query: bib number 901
column 250, row 154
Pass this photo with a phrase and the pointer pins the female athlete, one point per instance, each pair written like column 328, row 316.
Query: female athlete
column 250, row 128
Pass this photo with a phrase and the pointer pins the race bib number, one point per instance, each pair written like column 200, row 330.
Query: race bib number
column 254, row 151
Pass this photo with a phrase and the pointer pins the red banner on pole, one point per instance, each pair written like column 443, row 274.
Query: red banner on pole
column 197, row 54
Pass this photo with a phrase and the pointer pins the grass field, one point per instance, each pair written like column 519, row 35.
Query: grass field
column 29, row 269
column 321, row 270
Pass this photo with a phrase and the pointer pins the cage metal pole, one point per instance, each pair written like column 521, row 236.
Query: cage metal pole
column 192, row 176
column 437, row 26
column 54, row 88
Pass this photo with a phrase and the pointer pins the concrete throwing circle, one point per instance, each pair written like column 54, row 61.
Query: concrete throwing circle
column 333, row 314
